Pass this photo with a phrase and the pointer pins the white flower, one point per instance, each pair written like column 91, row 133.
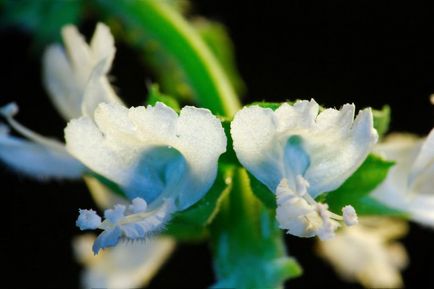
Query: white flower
column 128, row 265
column 66, row 79
column 167, row 160
column 300, row 154
column 66, row 73
column 409, row 184
column 366, row 253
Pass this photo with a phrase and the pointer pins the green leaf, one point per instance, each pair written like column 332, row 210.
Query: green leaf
column 247, row 244
column 44, row 18
column 272, row 105
column 381, row 120
column 175, row 51
column 367, row 177
column 155, row 96
column 215, row 35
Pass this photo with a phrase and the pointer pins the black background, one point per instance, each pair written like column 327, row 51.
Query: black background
column 367, row 52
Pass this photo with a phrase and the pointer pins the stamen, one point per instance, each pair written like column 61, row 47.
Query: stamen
column 324, row 224
column 350, row 216
column 88, row 220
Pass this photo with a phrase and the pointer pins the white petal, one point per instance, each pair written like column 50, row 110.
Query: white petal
column 423, row 166
column 97, row 90
column 364, row 253
column 102, row 45
column 135, row 226
column 150, row 151
column 201, row 140
column 67, row 76
column 335, row 145
column 255, row 141
column 59, row 80
column 79, row 52
column 41, row 157
column 38, row 161
column 128, row 265
column 336, row 152
column 408, row 186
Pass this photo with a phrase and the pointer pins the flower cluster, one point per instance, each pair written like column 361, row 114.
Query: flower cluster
column 165, row 161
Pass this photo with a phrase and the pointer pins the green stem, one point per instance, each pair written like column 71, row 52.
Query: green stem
column 247, row 245
column 169, row 29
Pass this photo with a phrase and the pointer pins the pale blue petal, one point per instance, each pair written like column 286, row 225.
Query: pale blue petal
column 37, row 160
column 108, row 238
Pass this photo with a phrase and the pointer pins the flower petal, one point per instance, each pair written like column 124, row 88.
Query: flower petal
column 408, row 186
column 66, row 76
column 423, row 166
column 58, row 78
column 254, row 134
column 334, row 143
column 128, row 265
column 364, row 253
column 41, row 157
column 134, row 226
column 151, row 152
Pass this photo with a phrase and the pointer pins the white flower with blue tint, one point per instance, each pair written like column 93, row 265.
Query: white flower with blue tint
column 166, row 160
column 300, row 154
column 76, row 82
column 368, row 253
column 67, row 71
column 409, row 184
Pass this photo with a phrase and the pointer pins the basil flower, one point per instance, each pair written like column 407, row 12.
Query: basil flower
column 76, row 81
column 164, row 162
column 369, row 253
column 409, row 184
column 300, row 154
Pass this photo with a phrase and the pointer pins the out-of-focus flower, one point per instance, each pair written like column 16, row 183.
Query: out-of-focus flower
column 167, row 161
column 367, row 253
column 128, row 265
column 67, row 73
column 300, row 154
column 37, row 156
column 409, row 185
column 66, row 77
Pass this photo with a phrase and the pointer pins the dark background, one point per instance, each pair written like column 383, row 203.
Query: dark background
column 369, row 53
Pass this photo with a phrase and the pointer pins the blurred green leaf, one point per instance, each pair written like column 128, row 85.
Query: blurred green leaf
column 185, row 66
column 381, row 120
column 43, row 18
column 217, row 38
column 155, row 96
column 247, row 244
column 367, row 177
